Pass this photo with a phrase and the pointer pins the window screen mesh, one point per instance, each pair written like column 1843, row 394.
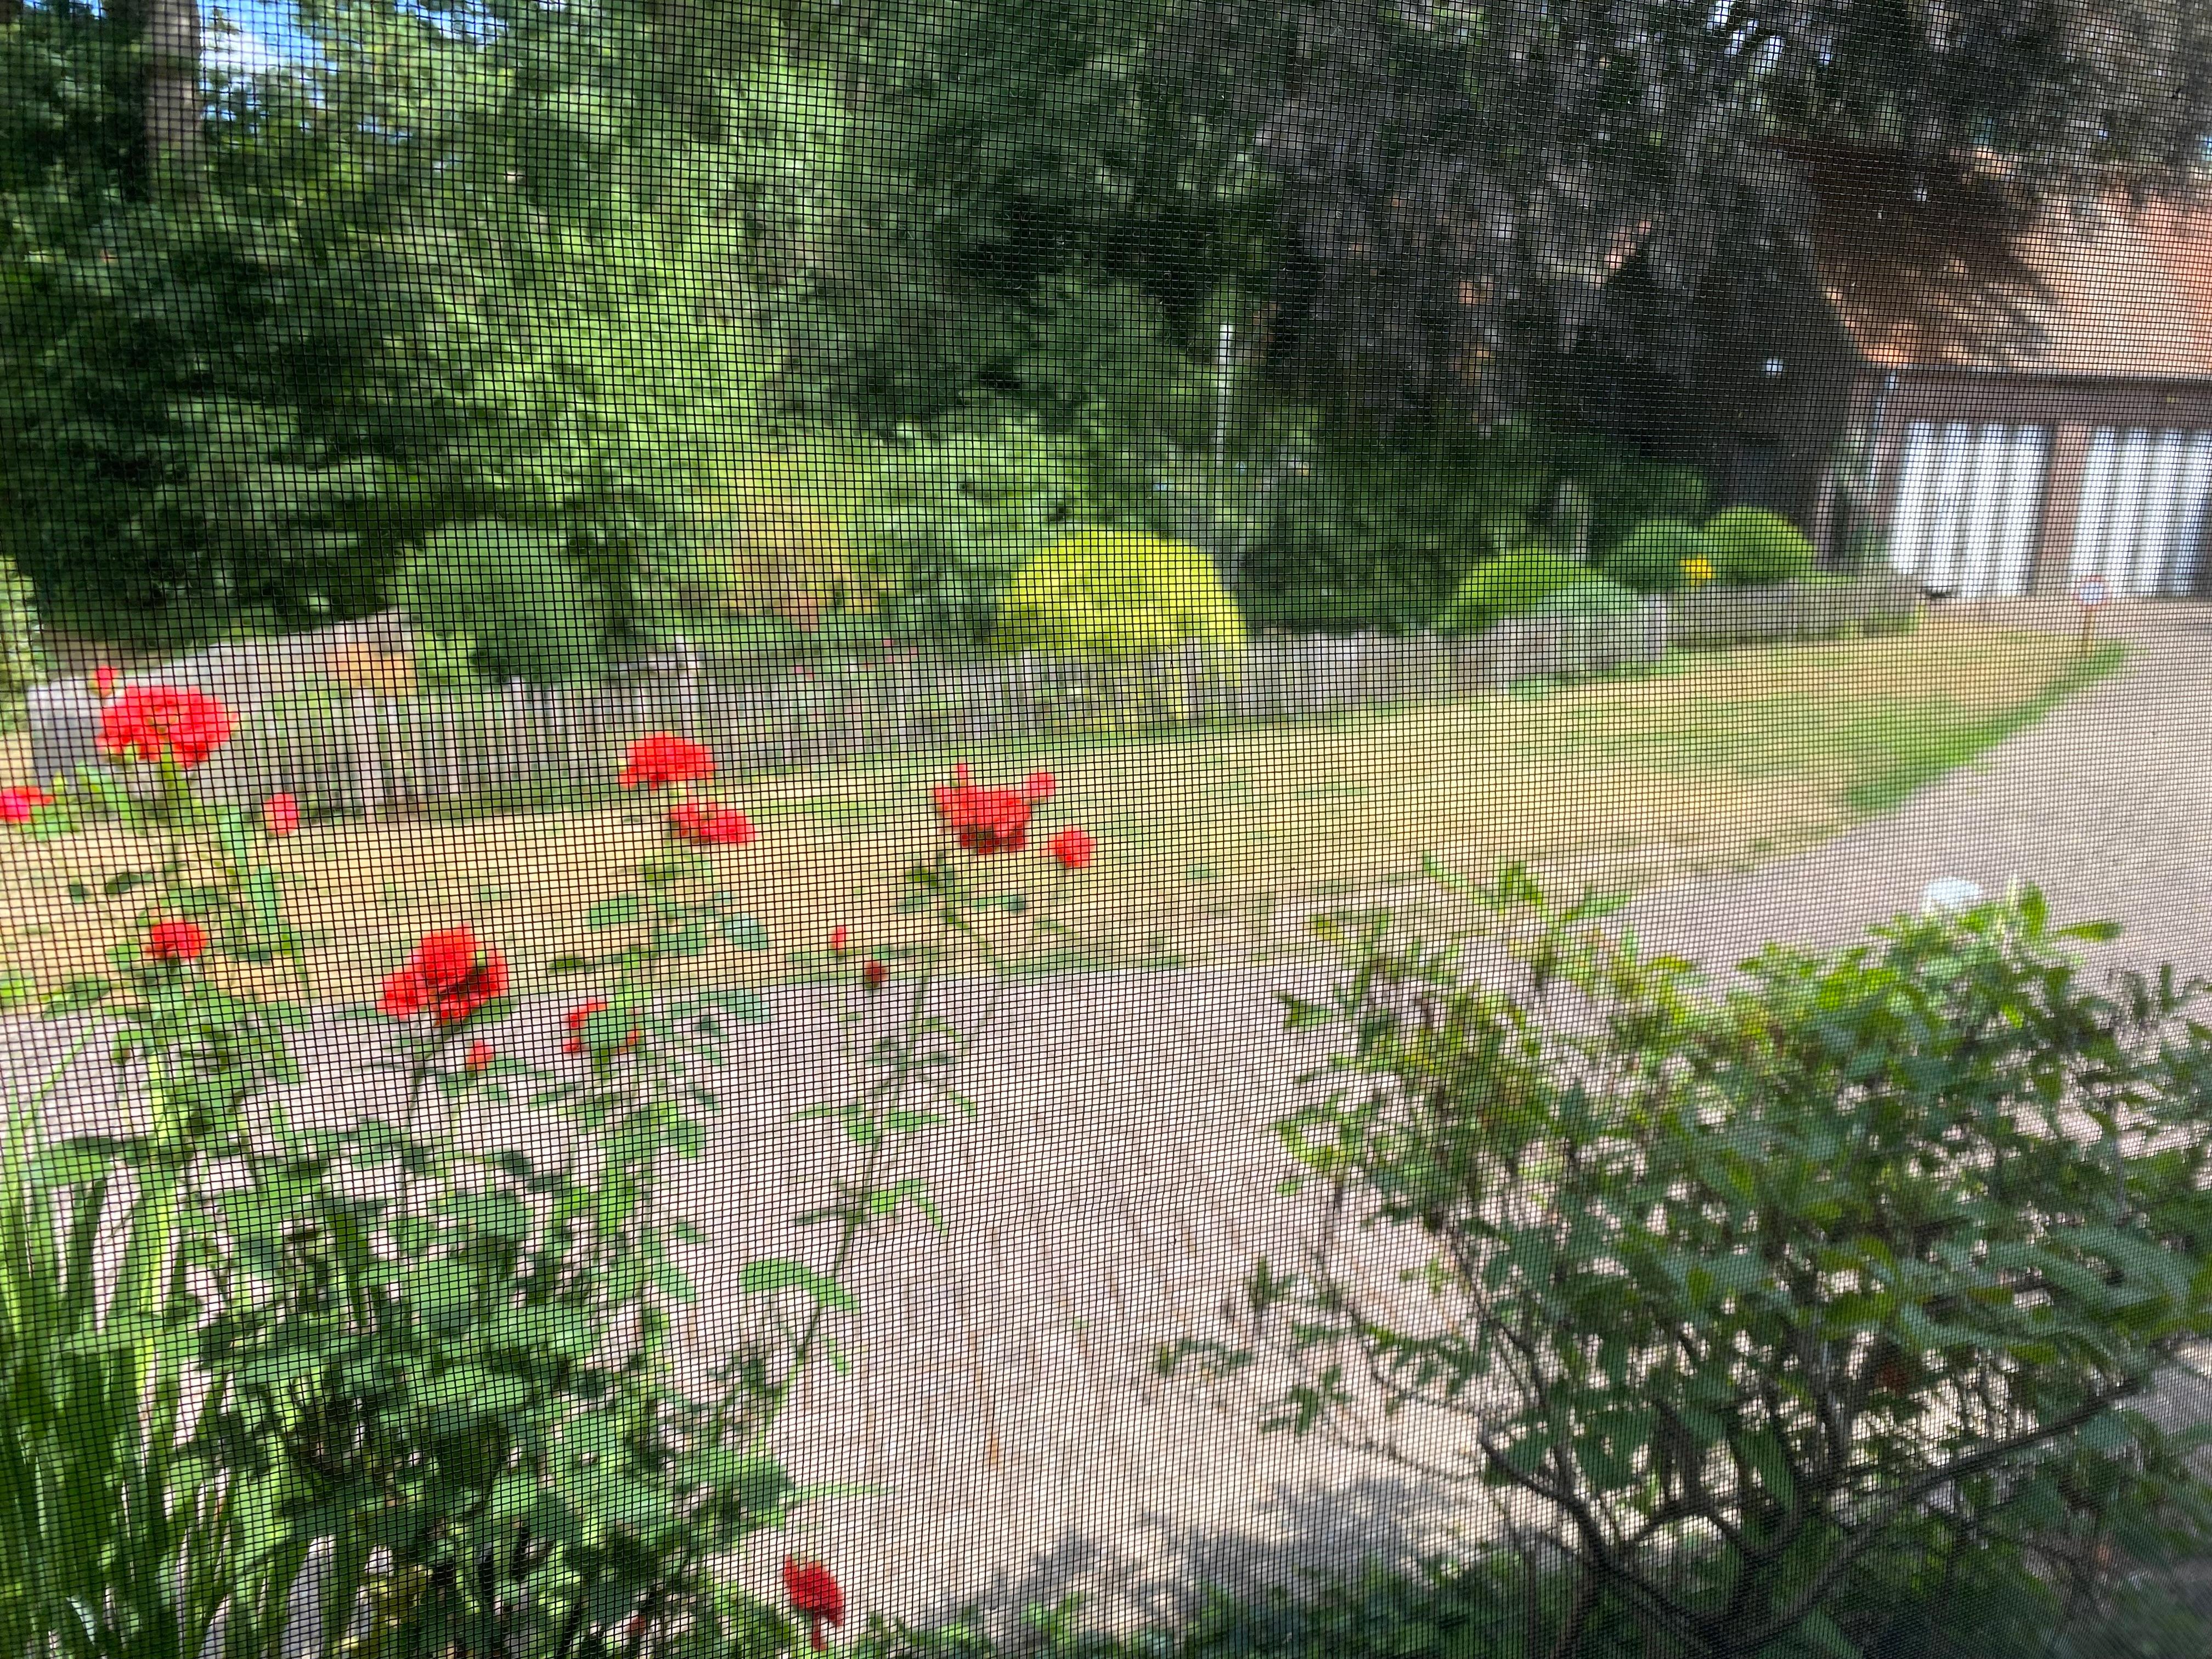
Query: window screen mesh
column 1169, row 827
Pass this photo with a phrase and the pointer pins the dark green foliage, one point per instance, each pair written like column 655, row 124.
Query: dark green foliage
column 1752, row 547
column 1511, row 585
column 1378, row 529
column 1431, row 255
column 524, row 606
column 1948, row 1603
column 1652, row 558
column 950, row 517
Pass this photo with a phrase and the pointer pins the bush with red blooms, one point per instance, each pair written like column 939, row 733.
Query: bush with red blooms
column 511, row 1325
column 987, row 821
column 980, row 822
column 451, row 976
column 154, row 723
column 663, row 759
column 710, row 825
column 175, row 941
column 17, row 805
column 1072, row 847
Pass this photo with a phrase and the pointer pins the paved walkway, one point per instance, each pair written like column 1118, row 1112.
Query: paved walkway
column 1118, row 1183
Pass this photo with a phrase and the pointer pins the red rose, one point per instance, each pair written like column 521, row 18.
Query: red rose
column 103, row 681
column 663, row 759
column 1040, row 785
column 451, row 973
column 279, row 814
column 16, row 804
column 151, row 720
column 874, row 973
column 481, row 1056
column 814, row 1595
column 840, row 939
column 446, row 958
column 710, row 825
column 1072, row 847
column 984, row 821
column 175, row 941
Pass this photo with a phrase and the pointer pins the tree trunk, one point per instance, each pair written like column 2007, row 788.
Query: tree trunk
column 172, row 79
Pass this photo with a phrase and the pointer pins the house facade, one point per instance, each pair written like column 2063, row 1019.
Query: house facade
column 1997, row 405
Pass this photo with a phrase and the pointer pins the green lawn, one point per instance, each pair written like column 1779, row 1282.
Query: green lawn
column 1213, row 845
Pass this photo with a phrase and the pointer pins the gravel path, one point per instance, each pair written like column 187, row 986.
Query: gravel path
column 1116, row 1185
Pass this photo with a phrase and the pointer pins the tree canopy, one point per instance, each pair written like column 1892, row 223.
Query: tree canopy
column 551, row 268
column 1456, row 187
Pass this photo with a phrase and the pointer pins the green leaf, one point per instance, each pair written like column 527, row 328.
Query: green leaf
column 771, row 1275
column 746, row 933
column 75, row 1163
column 469, row 1391
column 441, row 1288
column 1764, row 1454
column 2104, row 1432
column 123, row 881
column 77, row 995
column 616, row 912
column 2089, row 933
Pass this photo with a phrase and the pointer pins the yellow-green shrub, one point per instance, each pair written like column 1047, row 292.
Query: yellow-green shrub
column 1117, row 593
column 774, row 542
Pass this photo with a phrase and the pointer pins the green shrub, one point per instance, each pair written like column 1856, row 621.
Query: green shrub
column 1593, row 596
column 1653, row 556
column 1511, row 585
column 771, row 540
column 949, row 516
column 533, row 613
column 1705, row 1329
column 1752, row 547
column 1117, row 593
column 1382, row 528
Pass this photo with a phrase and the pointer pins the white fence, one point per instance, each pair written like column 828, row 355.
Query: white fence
column 351, row 751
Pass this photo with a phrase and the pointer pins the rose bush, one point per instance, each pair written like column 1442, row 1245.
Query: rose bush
column 449, row 1369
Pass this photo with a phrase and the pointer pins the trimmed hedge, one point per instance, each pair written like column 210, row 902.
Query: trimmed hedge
column 1753, row 548
column 1117, row 593
column 1511, row 585
column 1655, row 556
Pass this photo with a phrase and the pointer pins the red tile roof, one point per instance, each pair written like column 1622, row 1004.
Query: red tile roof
column 1937, row 275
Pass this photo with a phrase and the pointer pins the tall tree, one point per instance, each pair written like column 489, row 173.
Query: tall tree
column 174, row 104
column 1458, row 184
column 164, row 38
